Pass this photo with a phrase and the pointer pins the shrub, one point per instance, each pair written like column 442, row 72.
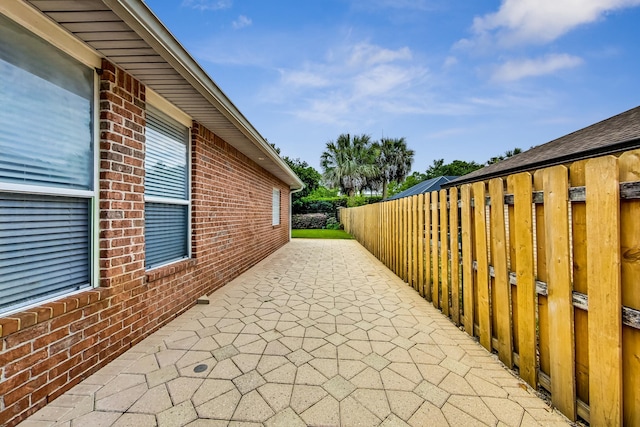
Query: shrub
column 309, row 221
column 326, row 205
column 330, row 205
column 362, row 200
column 333, row 224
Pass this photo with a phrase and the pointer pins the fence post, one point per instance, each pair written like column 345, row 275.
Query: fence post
column 397, row 237
column 484, row 308
column 414, row 237
column 605, row 293
column 502, row 293
column 435, row 261
column 542, row 275
column 579, row 249
column 467, row 261
column 405, row 240
column 523, row 264
column 409, row 228
column 455, row 255
column 427, row 249
column 629, row 164
column 444, row 252
column 560, row 292
column 421, row 244
column 387, row 234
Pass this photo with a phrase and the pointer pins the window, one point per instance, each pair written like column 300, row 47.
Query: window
column 276, row 207
column 167, row 193
column 47, row 170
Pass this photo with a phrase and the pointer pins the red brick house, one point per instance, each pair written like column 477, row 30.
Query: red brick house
column 130, row 185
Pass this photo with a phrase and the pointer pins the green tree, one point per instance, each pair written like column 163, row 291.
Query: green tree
column 506, row 155
column 274, row 147
column 393, row 161
column 323, row 192
column 348, row 163
column 306, row 173
column 455, row 168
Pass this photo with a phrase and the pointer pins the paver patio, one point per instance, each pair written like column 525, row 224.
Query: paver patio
column 319, row 333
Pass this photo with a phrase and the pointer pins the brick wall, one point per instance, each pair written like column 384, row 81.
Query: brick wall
column 49, row 349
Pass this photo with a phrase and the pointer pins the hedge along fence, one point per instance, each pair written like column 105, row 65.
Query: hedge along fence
column 544, row 269
column 309, row 221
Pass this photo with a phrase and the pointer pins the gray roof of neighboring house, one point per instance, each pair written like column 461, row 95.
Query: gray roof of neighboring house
column 613, row 135
column 427, row 186
column 130, row 35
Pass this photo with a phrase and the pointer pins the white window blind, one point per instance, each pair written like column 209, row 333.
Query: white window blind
column 44, row 247
column 46, row 170
column 166, row 190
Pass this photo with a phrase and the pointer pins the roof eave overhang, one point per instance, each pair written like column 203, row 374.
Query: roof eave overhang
column 142, row 20
column 615, row 148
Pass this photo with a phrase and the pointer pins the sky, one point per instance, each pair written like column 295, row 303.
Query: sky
column 458, row 79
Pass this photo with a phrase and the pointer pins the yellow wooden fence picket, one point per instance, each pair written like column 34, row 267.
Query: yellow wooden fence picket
column 541, row 266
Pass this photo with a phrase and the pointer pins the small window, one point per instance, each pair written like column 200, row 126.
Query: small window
column 276, row 207
column 47, row 183
column 167, row 194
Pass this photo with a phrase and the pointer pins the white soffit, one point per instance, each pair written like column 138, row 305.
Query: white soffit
column 127, row 33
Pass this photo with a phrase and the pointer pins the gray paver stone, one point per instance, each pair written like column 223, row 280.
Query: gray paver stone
column 339, row 387
column 253, row 408
column 287, row 418
column 249, row 381
column 177, row 416
column 376, row 362
column 225, row 352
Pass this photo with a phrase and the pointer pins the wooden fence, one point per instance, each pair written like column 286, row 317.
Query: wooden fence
column 542, row 267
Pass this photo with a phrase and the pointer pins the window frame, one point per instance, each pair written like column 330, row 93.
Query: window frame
column 163, row 106
column 33, row 23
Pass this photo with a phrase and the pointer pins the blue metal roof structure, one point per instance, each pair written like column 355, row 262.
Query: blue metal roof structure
column 427, row 186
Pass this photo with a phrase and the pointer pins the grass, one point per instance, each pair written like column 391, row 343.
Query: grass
column 320, row 234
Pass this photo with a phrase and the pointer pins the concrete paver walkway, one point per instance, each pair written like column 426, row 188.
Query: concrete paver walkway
column 319, row 333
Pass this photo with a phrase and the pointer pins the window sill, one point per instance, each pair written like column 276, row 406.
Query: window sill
column 158, row 273
column 31, row 316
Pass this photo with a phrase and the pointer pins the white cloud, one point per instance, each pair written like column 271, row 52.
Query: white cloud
column 367, row 55
column 536, row 99
column 242, row 22
column 303, row 78
column 519, row 69
column 208, row 4
column 540, row 21
column 383, row 79
column 449, row 62
column 332, row 109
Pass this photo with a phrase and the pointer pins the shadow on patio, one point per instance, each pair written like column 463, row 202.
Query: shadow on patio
column 319, row 333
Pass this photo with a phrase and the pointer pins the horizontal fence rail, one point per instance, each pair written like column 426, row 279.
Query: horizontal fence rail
column 543, row 268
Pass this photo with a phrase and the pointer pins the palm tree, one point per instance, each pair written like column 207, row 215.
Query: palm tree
column 348, row 162
column 393, row 160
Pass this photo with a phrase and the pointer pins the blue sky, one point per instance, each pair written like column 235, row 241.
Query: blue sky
column 459, row 79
